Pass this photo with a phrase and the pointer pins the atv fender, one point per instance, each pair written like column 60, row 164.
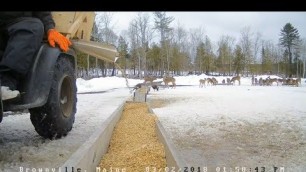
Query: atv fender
column 36, row 86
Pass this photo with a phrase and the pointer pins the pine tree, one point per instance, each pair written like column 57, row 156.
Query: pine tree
column 238, row 60
column 162, row 23
column 123, row 52
column 289, row 38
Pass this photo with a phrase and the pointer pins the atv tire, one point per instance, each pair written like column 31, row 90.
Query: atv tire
column 55, row 119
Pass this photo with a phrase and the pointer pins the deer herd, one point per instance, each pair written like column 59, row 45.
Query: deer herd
column 279, row 81
column 268, row 81
column 255, row 81
column 213, row 81
column 148, row 81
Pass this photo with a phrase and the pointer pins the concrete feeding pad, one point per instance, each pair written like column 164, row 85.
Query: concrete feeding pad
column 89, row 155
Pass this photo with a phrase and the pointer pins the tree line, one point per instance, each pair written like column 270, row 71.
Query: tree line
column 150, row 46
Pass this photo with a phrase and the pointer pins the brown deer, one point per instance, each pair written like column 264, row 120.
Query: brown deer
column 273, row 80
column 253, row 80
column 235, row 78
column 137, row 86
column 202, row 82
column 260, row 81
column 210, row 81
column 155, row 87
column 228, row 80
column 294, row 82
column 289, row 81
column 168, row 79
column 149, row 79
column 256, row 81
column 281, row 81
column 215, row 82
column 299, row 82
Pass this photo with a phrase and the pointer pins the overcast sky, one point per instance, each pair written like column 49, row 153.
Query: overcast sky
column 216, row 24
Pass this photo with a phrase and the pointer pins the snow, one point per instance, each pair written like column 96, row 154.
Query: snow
column 102, row 84
column 21, row 146
column 223, row 126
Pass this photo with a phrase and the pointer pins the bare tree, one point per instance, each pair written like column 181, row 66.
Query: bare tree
column 246, row 46
column 181, row 37
column 132, row 32
column 141, row 34
column 196, row 36
column 256, row 46
column 181, row 44
column 105, row 31
column 106, row 27
column 209, row 54
column 297, row 54
column 279, row 51
column 238, row 60
column 267, row 56
column 225, row 53
column 204, row 61
column 303, row 55
column 232, row 44
column 169, row 48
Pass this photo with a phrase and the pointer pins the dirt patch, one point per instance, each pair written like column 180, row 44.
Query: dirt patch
column 158, row 102
column 134, row 145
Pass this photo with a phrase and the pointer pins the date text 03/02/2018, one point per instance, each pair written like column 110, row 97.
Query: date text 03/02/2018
column 216, row 169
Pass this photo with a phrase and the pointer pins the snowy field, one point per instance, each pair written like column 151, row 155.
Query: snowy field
column 235, row 126
column 214, row 126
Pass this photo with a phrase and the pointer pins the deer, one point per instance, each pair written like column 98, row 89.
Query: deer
column 137, row 86
column 256, row 81
column 202, row 82
column 215, row 82
column 293, row 82
column 289, row 81
column 235, row 78
column 210, row 81
column 228, row 81
column 168, row 79
column 260, row 81
column 155, row 87
column 299, row 81
column 265, row 82
column 253, row 80
column 268, row 81
column 273, row 80
column 281, row 81
column 149, row 79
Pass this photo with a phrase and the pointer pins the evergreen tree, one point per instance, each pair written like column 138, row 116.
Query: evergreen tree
column 289, row 38
column 162, row 24
column 200, row 57
column 123, row 53
column 238, row 60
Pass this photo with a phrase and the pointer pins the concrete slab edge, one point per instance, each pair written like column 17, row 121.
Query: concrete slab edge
column 174, row 159
column 89, row 155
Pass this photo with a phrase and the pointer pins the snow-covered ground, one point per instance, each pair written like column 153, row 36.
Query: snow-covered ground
column 21, row 146
column 213, row 126
column 235, row 126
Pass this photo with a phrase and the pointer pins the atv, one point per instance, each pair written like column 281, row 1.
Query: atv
column 48, row 92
